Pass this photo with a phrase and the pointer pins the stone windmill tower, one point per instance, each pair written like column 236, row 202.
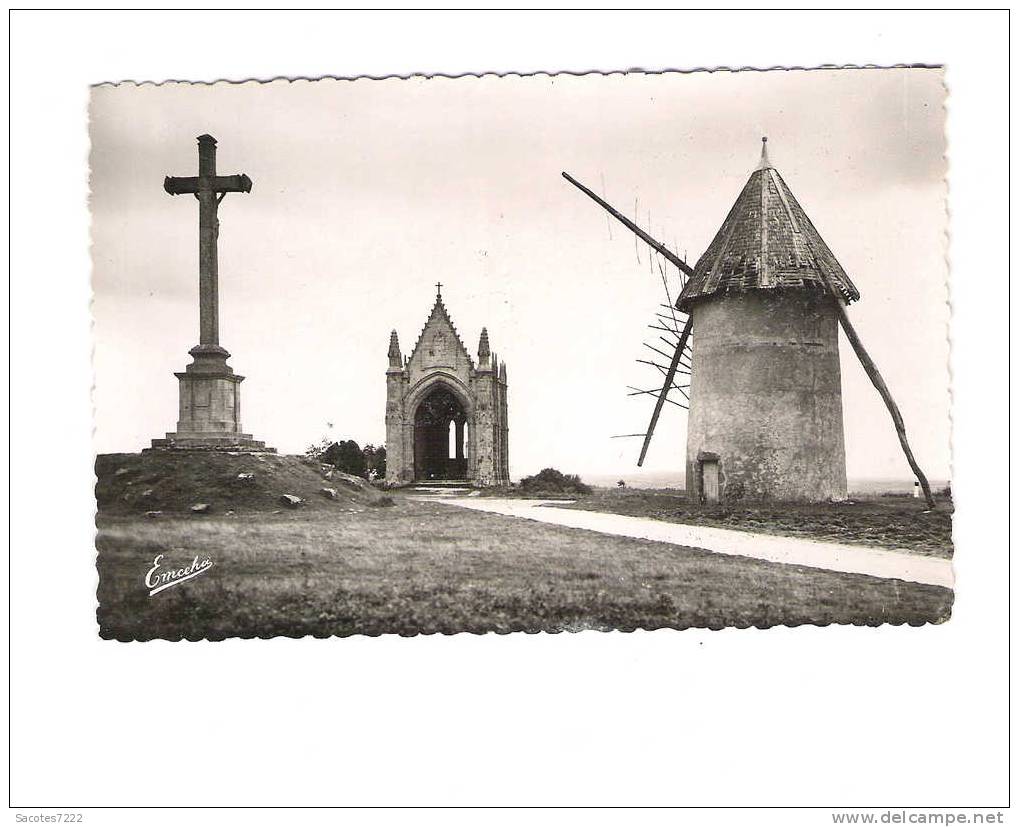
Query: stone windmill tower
column 766, row 395
column 765, row 392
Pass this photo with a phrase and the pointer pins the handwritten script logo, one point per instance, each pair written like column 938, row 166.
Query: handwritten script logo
column 159, row 578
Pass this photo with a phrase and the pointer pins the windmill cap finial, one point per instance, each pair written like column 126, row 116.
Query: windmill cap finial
column 765, row 162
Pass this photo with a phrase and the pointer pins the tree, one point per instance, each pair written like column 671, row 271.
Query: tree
column 375, row 461
column 348, row 457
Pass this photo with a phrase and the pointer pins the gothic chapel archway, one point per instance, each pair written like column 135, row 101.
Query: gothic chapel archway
column 439, row 444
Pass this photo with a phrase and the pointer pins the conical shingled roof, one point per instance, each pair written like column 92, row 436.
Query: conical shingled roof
column 767, row 241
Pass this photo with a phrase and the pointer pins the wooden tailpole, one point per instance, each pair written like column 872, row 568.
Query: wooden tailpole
column 670, row 376
column 882, row 388
column 875, row 378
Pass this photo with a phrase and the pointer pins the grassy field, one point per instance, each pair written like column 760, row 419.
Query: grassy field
column 422, row 567
column 870, row 520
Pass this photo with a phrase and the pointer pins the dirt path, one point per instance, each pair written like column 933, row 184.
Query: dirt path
column 876, row 562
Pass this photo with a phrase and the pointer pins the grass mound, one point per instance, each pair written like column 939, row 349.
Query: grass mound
column 172, row 482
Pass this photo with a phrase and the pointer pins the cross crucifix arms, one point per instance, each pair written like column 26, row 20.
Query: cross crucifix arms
column 209, row 189
column 207, row 180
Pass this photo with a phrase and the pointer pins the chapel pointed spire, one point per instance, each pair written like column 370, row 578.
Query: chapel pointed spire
column 484, row 349
column 395, row 356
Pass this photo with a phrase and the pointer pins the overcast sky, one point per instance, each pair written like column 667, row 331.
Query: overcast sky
column 368, row 192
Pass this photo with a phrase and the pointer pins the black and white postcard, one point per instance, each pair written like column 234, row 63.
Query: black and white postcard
column 539, row 354
column 493, row 410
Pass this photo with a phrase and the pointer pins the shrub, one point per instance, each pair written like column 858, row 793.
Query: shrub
column 551, row 481
column 348, row 457
column 375, row 461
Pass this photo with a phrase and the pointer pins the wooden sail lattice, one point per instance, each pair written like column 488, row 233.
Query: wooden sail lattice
column 678, row 325
column 672, row 322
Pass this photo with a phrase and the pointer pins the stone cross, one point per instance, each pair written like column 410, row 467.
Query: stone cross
column 209, row 189
column 209, row 417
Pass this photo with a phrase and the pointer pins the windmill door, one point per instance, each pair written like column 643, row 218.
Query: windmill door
column 709, row 480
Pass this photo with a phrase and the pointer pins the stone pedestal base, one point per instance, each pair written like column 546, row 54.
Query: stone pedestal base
column 210, row 407
column 226, row 442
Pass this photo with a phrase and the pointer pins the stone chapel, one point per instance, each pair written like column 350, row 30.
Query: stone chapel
column 446, row 418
